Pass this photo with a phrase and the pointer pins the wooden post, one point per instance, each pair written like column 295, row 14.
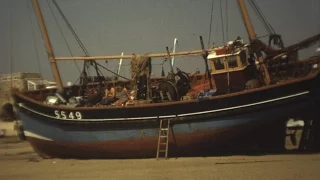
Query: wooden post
column 148, row 80
column 252, row 36
column 47, row 43
column 205, row 56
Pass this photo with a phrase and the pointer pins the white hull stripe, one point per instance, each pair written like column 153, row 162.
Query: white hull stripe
column 173, row 116
column 169, row 116
column 33, row 135
column 246, row 105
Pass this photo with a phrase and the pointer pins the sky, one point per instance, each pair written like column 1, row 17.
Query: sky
column 109, row 27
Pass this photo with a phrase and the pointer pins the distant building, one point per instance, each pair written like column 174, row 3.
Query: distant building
column 22, row 81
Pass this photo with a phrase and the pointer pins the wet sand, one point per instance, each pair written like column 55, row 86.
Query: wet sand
column 18, row 161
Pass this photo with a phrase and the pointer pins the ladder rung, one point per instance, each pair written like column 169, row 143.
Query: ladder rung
column 163, row 138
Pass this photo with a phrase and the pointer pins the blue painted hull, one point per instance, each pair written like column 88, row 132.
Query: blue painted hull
column 226, row 123
column 212, row 132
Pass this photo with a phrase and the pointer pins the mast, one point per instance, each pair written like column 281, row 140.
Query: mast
column 48, row 46
column 252, row 36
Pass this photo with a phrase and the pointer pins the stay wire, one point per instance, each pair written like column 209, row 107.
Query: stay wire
column 34, row 38
column 74, row 34
column 227, row 20
column 263, row 19
column 77, row 38
column 112, row 71
column 70, row 28
column 64, row 38
column 209, row 40
column 222, row 25
column 11, row 52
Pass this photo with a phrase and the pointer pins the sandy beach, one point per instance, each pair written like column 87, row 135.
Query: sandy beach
column 18, row 161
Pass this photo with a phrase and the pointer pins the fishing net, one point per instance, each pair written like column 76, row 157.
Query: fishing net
column 140, row 66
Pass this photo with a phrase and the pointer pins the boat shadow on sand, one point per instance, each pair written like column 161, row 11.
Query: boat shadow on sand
column 13, row 148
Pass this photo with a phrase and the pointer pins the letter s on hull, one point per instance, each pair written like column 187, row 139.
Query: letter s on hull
column 70, row 115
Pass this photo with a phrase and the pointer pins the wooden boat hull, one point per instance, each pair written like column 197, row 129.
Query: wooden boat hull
column 198, row 127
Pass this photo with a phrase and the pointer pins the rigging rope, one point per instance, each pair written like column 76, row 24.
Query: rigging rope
column 112, row 72
column 75, row 36
column 264, row 20
column 224, row 43
column 34, row 38
column 276, row 38
column 65, row 40
column 11, row 54
column 94, row 63
column 222, row 25
column 70, row 28
column 317, row 14
column 227, row 21
column 36, row 21
column 210, row 23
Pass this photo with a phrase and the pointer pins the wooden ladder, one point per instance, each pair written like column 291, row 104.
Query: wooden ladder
column 163, row 139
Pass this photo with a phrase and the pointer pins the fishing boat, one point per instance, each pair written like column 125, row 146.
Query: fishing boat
column 246, row 91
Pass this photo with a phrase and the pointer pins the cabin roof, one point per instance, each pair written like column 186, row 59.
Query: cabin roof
column 41, row 81
column 223, row 51
column 214, row 55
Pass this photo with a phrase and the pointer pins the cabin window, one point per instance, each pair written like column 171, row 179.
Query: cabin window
column 243, row 58
column 218, row 63
column 232, row 61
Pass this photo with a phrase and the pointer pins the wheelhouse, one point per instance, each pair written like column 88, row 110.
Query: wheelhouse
column 228, row 62
column 229, row 68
